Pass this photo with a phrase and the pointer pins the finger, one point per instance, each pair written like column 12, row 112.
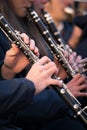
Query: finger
column 32, row 44
column 81, row 87
column 78, row 59
column 25, row 38
column 13, row 51
column 51, row 71
column 49, row 65
column 44, row 60
column 83, row 60
column 82, row 94
column 81, row 80
column 15, row 48
column 73, row 56
column 33, row 47
column 66, row 54
column 53, row 66
column 55, row 82
column 36, row 51
column 76, row 77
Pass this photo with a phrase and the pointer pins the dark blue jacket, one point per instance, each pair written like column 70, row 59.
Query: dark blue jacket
column 15, row 94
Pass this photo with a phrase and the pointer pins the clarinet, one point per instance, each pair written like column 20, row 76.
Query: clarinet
column 14, row 37
column 47, row 19
column 55, row 48
column 55, row 32
column 63, row 91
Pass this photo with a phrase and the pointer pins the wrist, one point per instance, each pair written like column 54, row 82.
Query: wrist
column 6, row 72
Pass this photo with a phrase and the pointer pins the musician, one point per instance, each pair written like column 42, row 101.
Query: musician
column 61, row 17
column 18, row 93
column 41, row 111
column 61, row 21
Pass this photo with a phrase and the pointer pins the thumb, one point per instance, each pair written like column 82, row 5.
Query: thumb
column 14, row 50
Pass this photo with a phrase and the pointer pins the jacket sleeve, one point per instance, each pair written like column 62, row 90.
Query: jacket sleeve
column 81, row 21
column 15, row 94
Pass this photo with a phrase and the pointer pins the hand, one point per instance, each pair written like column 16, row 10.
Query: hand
column 15, row 61
column 73, row 58
column 77, row 84
column 41, row 74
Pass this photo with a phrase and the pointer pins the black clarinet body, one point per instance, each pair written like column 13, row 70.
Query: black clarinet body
column 63, row 91
column 55, row 32
column 47, row 19
column 74, row 104
column 54, row 47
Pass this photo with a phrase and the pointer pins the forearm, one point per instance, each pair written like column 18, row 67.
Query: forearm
column 6, row 73
column 75, row 37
